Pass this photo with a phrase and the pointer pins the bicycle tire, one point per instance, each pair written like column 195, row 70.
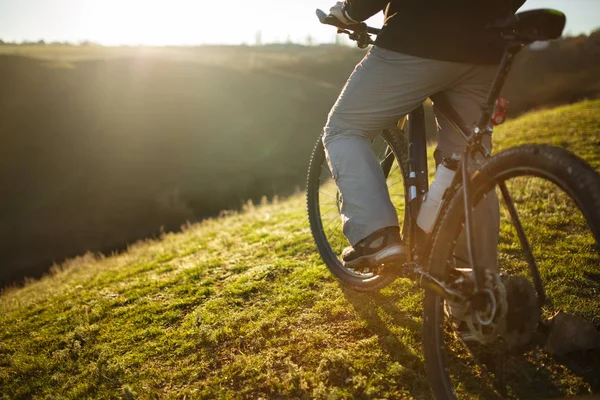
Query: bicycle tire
column 396, row 141
column 569, row 173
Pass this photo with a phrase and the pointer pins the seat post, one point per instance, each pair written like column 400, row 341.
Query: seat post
column 503, row 70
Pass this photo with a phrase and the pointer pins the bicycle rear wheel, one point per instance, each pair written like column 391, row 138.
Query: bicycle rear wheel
column 557, row 198
column 324, row 205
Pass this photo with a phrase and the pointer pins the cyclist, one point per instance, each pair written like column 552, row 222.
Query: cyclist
column 425, row 47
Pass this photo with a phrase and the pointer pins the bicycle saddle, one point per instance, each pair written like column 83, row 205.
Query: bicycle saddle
column 533, row 25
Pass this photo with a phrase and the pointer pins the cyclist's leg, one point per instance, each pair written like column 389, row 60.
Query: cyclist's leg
column 384, row 87
column 467, row 96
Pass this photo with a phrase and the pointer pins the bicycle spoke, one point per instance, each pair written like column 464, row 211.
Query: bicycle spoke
column 331, row 232
column 330, row 209
column 336, row 218
column 381, row 153
column 329, row 206
column 327, row 215
column 394, row 184
column 385, row 158
column 341, row 242
column 328, row 195
column 526, row 247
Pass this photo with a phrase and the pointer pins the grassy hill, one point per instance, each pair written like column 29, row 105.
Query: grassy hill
column 238, row 306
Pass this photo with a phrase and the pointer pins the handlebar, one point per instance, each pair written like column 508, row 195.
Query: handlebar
column 358, row 32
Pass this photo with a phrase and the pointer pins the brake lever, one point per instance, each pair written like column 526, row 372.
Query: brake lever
column 327, row 19
column 322, row 16
column 358, row 32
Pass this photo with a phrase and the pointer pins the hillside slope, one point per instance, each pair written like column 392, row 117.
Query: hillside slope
column 236, row 306
column 101, row 151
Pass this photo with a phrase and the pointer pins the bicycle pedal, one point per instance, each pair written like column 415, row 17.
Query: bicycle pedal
column 394, row 268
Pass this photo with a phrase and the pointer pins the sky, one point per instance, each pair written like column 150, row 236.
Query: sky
column 193, row 22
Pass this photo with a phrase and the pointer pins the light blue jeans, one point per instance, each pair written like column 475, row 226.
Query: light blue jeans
column 384, row 87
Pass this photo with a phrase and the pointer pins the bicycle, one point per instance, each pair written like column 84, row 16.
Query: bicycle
column 505, row 312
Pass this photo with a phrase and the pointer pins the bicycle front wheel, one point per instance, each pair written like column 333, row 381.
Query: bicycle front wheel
column 556, row 197
column 324, row 207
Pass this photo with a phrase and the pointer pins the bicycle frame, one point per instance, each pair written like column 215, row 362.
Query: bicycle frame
column 418, row 184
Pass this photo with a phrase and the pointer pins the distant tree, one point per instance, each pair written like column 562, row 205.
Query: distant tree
column 88, row 43
column 309, row 41
column 258, row 38
column 2, row 42
column 41, row 42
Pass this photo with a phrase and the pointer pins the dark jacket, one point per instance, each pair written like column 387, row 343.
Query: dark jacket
column 449, row 30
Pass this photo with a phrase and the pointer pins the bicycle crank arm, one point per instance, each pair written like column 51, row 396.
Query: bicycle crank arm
column 425, row 281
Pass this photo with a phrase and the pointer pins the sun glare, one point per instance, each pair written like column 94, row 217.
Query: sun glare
column 132, row 22
column 193, row 22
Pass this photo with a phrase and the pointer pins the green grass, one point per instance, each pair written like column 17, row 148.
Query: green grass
column 238, row 306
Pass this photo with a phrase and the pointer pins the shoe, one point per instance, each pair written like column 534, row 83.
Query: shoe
column 382, row 247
